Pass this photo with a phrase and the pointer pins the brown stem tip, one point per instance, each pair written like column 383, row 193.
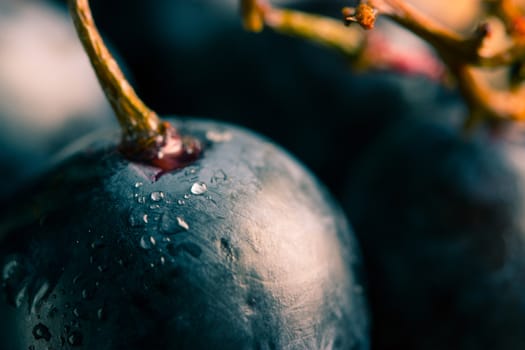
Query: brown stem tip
column 145, row 137
column 364, row 14
column 251, row 15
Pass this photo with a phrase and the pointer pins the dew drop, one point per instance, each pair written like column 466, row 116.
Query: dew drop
column 20, row 297
column 85, row 294
column 198, row 188
column 15, row 281
column 141, row 199
column 182, row 223
column 219, row 176
column 157, row 196
column 147, row 242
column 145, row 218
column 76, row 278
column 187, row 196
column 218, row 136
column 97, row 244
column 181, row 202
column 136, row 219
column 190, row 171
column 75, row 338
column 39, row 296
column 11, row 269
column 173, row 225
column 138, row 184
column 40, row 331
column 101, row 314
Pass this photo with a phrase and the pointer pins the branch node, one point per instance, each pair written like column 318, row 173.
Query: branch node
column 364, row 15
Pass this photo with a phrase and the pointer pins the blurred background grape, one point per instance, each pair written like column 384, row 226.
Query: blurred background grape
column 48, row 93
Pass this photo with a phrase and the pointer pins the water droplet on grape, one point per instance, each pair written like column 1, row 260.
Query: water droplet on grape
column 138, row 184
column 182, row 223
column 218, row 136
column 101, row 313
column 157, row 196
column 147, row 242
column 219, row 176
column 11, row 269
column 181, row 202
column 40, row 331
column 173, row 225
column 19, row 298
column 39, row 296
column 136, row 219
column 198, row 188
column 141, row 199
column 15, row 281
column 97, row 244
column 75, row 338
column 190, row 171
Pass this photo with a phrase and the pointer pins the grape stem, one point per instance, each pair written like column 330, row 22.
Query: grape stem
column 145, row 137
column 135, row 118
column 364, row 51
column 465, row 56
